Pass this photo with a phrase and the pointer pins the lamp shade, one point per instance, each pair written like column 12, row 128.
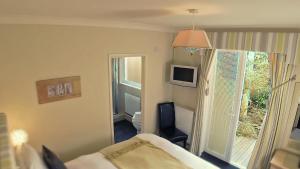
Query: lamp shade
column 192, row 39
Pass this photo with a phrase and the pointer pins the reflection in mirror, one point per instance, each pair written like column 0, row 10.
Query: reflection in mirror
column 296, row 127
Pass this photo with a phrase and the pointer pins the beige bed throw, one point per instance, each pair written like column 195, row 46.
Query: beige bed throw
column 140, row 154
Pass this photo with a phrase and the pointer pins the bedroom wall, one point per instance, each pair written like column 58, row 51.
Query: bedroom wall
column 185, row 96
column 82, row 125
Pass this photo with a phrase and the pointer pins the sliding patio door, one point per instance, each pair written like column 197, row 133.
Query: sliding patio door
column 226, row 94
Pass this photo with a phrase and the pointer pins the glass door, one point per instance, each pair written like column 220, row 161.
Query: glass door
column 229, row 72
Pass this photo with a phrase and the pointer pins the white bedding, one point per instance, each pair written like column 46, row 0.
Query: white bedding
column 97, row 160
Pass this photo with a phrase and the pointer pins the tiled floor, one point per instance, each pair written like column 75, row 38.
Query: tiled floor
column 124, row 130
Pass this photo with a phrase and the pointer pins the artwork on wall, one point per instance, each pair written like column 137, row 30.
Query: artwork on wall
column 51, row 90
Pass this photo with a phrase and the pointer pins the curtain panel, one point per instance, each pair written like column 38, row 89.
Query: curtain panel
column 270, row 133
column 205, row 65
column 271, row 42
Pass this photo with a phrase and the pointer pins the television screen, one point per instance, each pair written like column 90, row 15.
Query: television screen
column 183, row 74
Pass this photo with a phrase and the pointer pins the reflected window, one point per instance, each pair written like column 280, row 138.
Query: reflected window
column 130, row 71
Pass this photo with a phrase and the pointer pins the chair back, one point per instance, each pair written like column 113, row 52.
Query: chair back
column 166, row 113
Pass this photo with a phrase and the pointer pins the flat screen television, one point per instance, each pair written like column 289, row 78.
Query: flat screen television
column 184, row 75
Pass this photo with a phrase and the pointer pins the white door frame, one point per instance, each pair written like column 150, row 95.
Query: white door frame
column 112, row 56
column 238, row 101
column 228, row 149
column 207, row 107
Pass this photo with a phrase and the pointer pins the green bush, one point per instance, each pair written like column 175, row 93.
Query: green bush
column 259, row 98
column 254, row 105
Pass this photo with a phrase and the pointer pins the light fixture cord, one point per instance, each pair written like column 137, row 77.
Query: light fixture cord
column 193, row 20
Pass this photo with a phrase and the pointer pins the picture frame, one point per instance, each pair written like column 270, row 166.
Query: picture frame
column 57, row 89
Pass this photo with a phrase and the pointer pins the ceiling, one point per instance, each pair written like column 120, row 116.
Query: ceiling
column 164, row 14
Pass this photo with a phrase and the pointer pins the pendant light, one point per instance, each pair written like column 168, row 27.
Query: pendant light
column 192, row 39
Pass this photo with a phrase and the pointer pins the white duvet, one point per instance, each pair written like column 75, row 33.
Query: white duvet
column 97, row 160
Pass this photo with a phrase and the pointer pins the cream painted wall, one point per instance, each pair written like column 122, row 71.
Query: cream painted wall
column 185, row 96
column 82, row 125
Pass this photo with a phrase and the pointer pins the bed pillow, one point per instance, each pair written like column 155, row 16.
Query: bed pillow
column 51, row 159
column 30, row 158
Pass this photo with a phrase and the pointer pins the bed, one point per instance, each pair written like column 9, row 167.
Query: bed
column 100, row 160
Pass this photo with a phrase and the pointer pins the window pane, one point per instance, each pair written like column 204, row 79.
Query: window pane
column 133, row 70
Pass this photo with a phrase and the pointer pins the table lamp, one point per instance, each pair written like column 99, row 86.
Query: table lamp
column 18, row 138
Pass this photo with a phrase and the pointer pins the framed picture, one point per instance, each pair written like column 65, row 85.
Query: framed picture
column 51, row 90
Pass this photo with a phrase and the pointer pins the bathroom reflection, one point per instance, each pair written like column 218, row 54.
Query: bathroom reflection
column 126, row 96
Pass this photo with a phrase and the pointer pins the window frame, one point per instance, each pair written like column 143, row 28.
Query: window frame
column 123, row 74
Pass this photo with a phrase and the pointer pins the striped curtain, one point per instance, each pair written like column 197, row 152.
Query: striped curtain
column 205, row 65
column 286, row 43
column 272, row 42
column 270, row 134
